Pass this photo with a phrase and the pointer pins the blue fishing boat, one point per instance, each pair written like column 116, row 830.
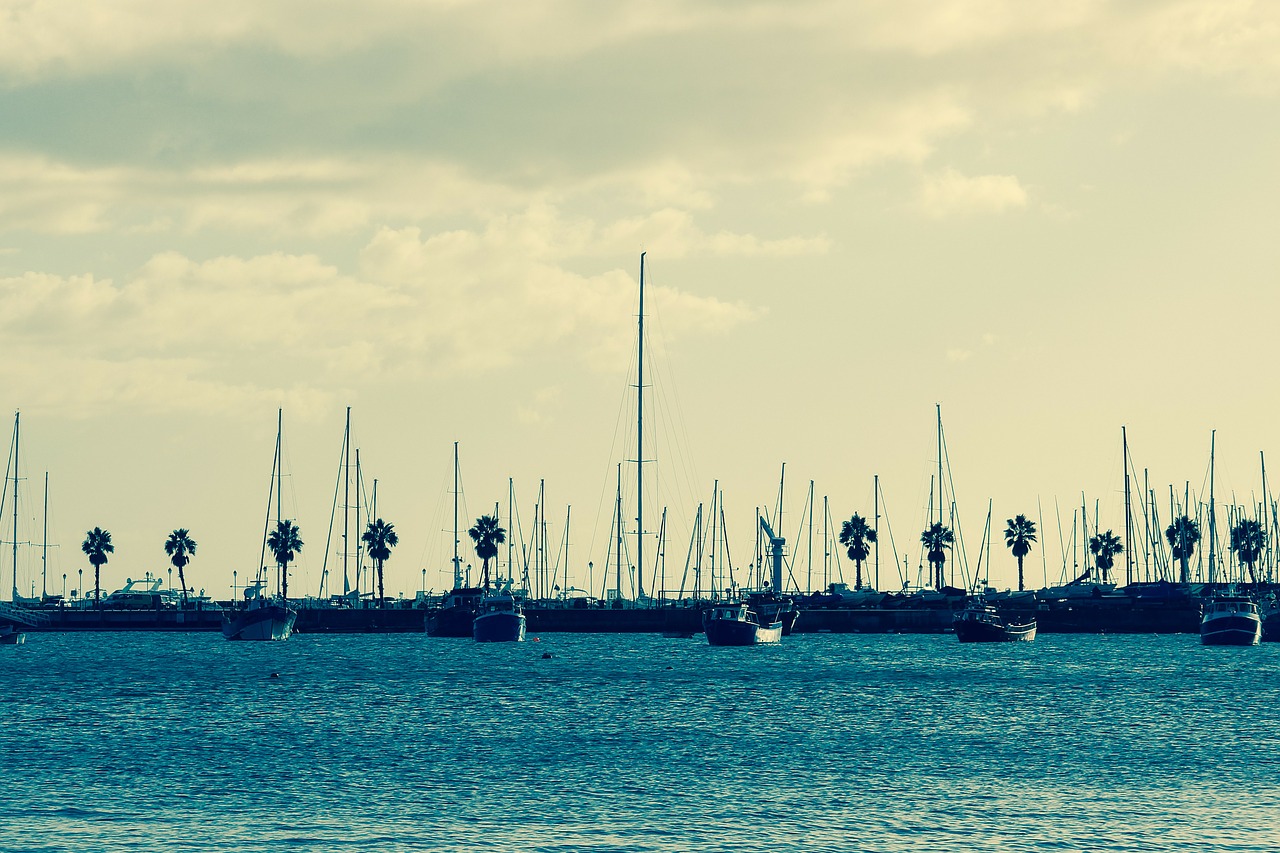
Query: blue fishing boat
column 499, row 618
column 1230, row 620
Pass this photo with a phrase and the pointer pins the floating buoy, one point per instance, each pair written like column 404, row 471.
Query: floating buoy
column 275, row 675
column 546, row 655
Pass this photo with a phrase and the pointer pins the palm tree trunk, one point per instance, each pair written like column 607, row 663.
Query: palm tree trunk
column 382, row 600
column 284, row 581
column 858, row 576
column 484, row 570
column 183, row 581
column 1186, row 575
column 97, row 588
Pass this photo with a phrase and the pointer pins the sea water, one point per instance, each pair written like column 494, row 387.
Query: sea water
column 144, row 741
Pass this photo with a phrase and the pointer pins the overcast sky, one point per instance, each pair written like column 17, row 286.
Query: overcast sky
column 1053, row 219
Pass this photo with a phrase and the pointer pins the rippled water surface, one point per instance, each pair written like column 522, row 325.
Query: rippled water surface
column 637, row 743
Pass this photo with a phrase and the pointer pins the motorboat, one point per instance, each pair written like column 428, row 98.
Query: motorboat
column 734, row 623
column 1230, row 620
column 499, row 618
column 981, row 622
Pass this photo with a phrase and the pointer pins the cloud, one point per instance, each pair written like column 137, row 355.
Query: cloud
column 229, row 332
column 950, row 193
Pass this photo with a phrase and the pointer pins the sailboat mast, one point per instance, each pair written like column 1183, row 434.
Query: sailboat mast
column 16, row 455
column 640, row 440
column 876, row 489
column 346, row 501
column 617, row 589
column 281, row 583
column 511, row 501
column 359, row 540
column 457, row 570
column 44, row 544
column 1128, row 513
column 1213, row 530
column 939, row 408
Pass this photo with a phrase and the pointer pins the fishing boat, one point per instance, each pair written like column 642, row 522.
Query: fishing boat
column 981, row 622
column 11, row 636
column 1230, row 620
column 260, row 616
column 734, row 623
column 499, row 618
column 770, row 608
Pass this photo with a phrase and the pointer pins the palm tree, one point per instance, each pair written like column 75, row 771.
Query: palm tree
column 938, row 538
column 1183, row 535
column 284, row 542
column 97, row 545
column 381, row 537
column 1248, row 540
column 856, row 536
column 488, row 536
column 181, row 548
column 1105, row 547
column 1020, row 535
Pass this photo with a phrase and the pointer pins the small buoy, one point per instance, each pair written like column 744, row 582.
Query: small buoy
column 546, row 655
column 275, row 675
column 668, row 667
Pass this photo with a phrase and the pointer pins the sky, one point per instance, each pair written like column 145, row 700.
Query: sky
column 1051, row 221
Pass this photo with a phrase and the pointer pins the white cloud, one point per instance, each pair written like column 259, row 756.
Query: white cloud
column 952, row 193
column 242, row 332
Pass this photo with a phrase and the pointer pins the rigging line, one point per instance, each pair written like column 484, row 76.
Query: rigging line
column 893, row 546
column 623, row 400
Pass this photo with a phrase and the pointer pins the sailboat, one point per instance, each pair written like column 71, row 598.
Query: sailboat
column 259, row 616
column 1227, row 619
column 457, row 612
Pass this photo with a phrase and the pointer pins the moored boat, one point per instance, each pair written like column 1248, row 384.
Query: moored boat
column 456, row 613
column 499, row 618
column 261, row 617
column 11, row 636
column 981, row 622
column 733, row 623
column 1270, row 614
column 1230, row 620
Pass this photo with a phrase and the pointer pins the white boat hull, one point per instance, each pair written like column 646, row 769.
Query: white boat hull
column 264, row 623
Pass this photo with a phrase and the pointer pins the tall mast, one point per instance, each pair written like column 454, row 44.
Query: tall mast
column 640, row 441
column 809, row 567
column 346, row 502
column 457, row 569
column 44, row 544
column 876, row 489
column 617, row 589
column 359, row 539
column 511, row 500
column 282, row 583
column 1213, row 530
column 939, row 407
column 16, row 456
column 1128, row 515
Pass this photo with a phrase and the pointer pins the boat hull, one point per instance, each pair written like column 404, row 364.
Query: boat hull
column 1232, row 630
column 968, row 631
column 12, row 637
column 1271, row 629
column 272, row 622
column 728, row 632
column 451, row 622
column 500, row 627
